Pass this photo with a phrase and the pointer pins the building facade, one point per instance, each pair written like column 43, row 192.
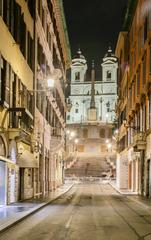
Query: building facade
column 134, row 52
column 105, row 90
column 92, row 102
column 33, row 47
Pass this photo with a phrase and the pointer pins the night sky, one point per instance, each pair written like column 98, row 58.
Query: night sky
column 93, row 25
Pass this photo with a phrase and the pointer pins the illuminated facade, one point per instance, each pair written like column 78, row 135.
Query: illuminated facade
column 33, row 47
column 134, row 104
column 93, row 102
column 105, row 90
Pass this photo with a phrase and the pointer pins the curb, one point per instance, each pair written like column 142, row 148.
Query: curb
column 122, row 193
column 130, row 197
column 3, row 229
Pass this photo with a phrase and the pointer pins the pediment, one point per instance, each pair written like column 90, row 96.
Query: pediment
column 108, row 62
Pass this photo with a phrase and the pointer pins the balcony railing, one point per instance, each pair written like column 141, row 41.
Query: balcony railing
column 20, row 122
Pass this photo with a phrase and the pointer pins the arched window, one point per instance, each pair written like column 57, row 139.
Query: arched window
column 108, row 106
column 108, row 75
column 77, row 76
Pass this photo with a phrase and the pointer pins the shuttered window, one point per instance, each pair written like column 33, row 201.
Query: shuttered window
column 1, row 8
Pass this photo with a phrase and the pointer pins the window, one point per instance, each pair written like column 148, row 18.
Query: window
column 145, row 29
column 150, row 61
column 76, row 110
column 138, row 81
column 102, row 133
column 139, row 40
column 77, row 76
column 30, row 51
column 68, row 117
column 1, row 8
column 108, row 75
column 149, row 110
column 2, row 147
column 85, row 133
column 5, row 82
column 144, row 69
column 110, row 133
column 144, row 117
column 108, row 106
column 31, row 7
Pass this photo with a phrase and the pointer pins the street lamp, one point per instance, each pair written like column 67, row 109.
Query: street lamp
column 50, row 82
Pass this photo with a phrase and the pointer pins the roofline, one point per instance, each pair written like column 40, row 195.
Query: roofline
column 129, row 14
column 60, row 2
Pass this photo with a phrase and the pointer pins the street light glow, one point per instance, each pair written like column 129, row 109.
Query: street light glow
column 50, row 82
column 109, row 145
column 76, row 141
column 68, row 131
column 116, row 131
column 72, row 134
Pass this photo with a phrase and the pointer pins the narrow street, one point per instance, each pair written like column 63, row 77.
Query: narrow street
column 88, row 211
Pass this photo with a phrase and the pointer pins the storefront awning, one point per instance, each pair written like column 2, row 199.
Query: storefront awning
column 28, row 160
column 7, row 160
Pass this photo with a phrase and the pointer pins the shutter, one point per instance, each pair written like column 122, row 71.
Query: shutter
column 12, row 17
column 7, row 84
column 1, row 8
column 17, row 22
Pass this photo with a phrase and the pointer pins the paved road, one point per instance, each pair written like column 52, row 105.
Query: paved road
column 86, row 212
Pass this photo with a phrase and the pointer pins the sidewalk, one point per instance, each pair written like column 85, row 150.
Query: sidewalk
column 13, row 213
column 122, row 191
column 132, row 196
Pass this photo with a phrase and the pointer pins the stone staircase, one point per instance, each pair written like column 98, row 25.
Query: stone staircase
column 89, row 167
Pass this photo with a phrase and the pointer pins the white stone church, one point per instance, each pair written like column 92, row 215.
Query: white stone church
column 105, row 90
column 93, row 104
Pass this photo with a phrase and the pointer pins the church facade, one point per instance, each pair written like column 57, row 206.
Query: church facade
column 92, row 110
column 105, row 90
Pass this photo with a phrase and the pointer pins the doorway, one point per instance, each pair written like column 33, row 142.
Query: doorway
column 148, row 180
column 130, row 176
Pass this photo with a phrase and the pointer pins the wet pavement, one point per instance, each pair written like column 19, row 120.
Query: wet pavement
column 13, row 213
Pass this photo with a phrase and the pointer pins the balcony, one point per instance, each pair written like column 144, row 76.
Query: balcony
column 20, row 124
column 139, row 142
